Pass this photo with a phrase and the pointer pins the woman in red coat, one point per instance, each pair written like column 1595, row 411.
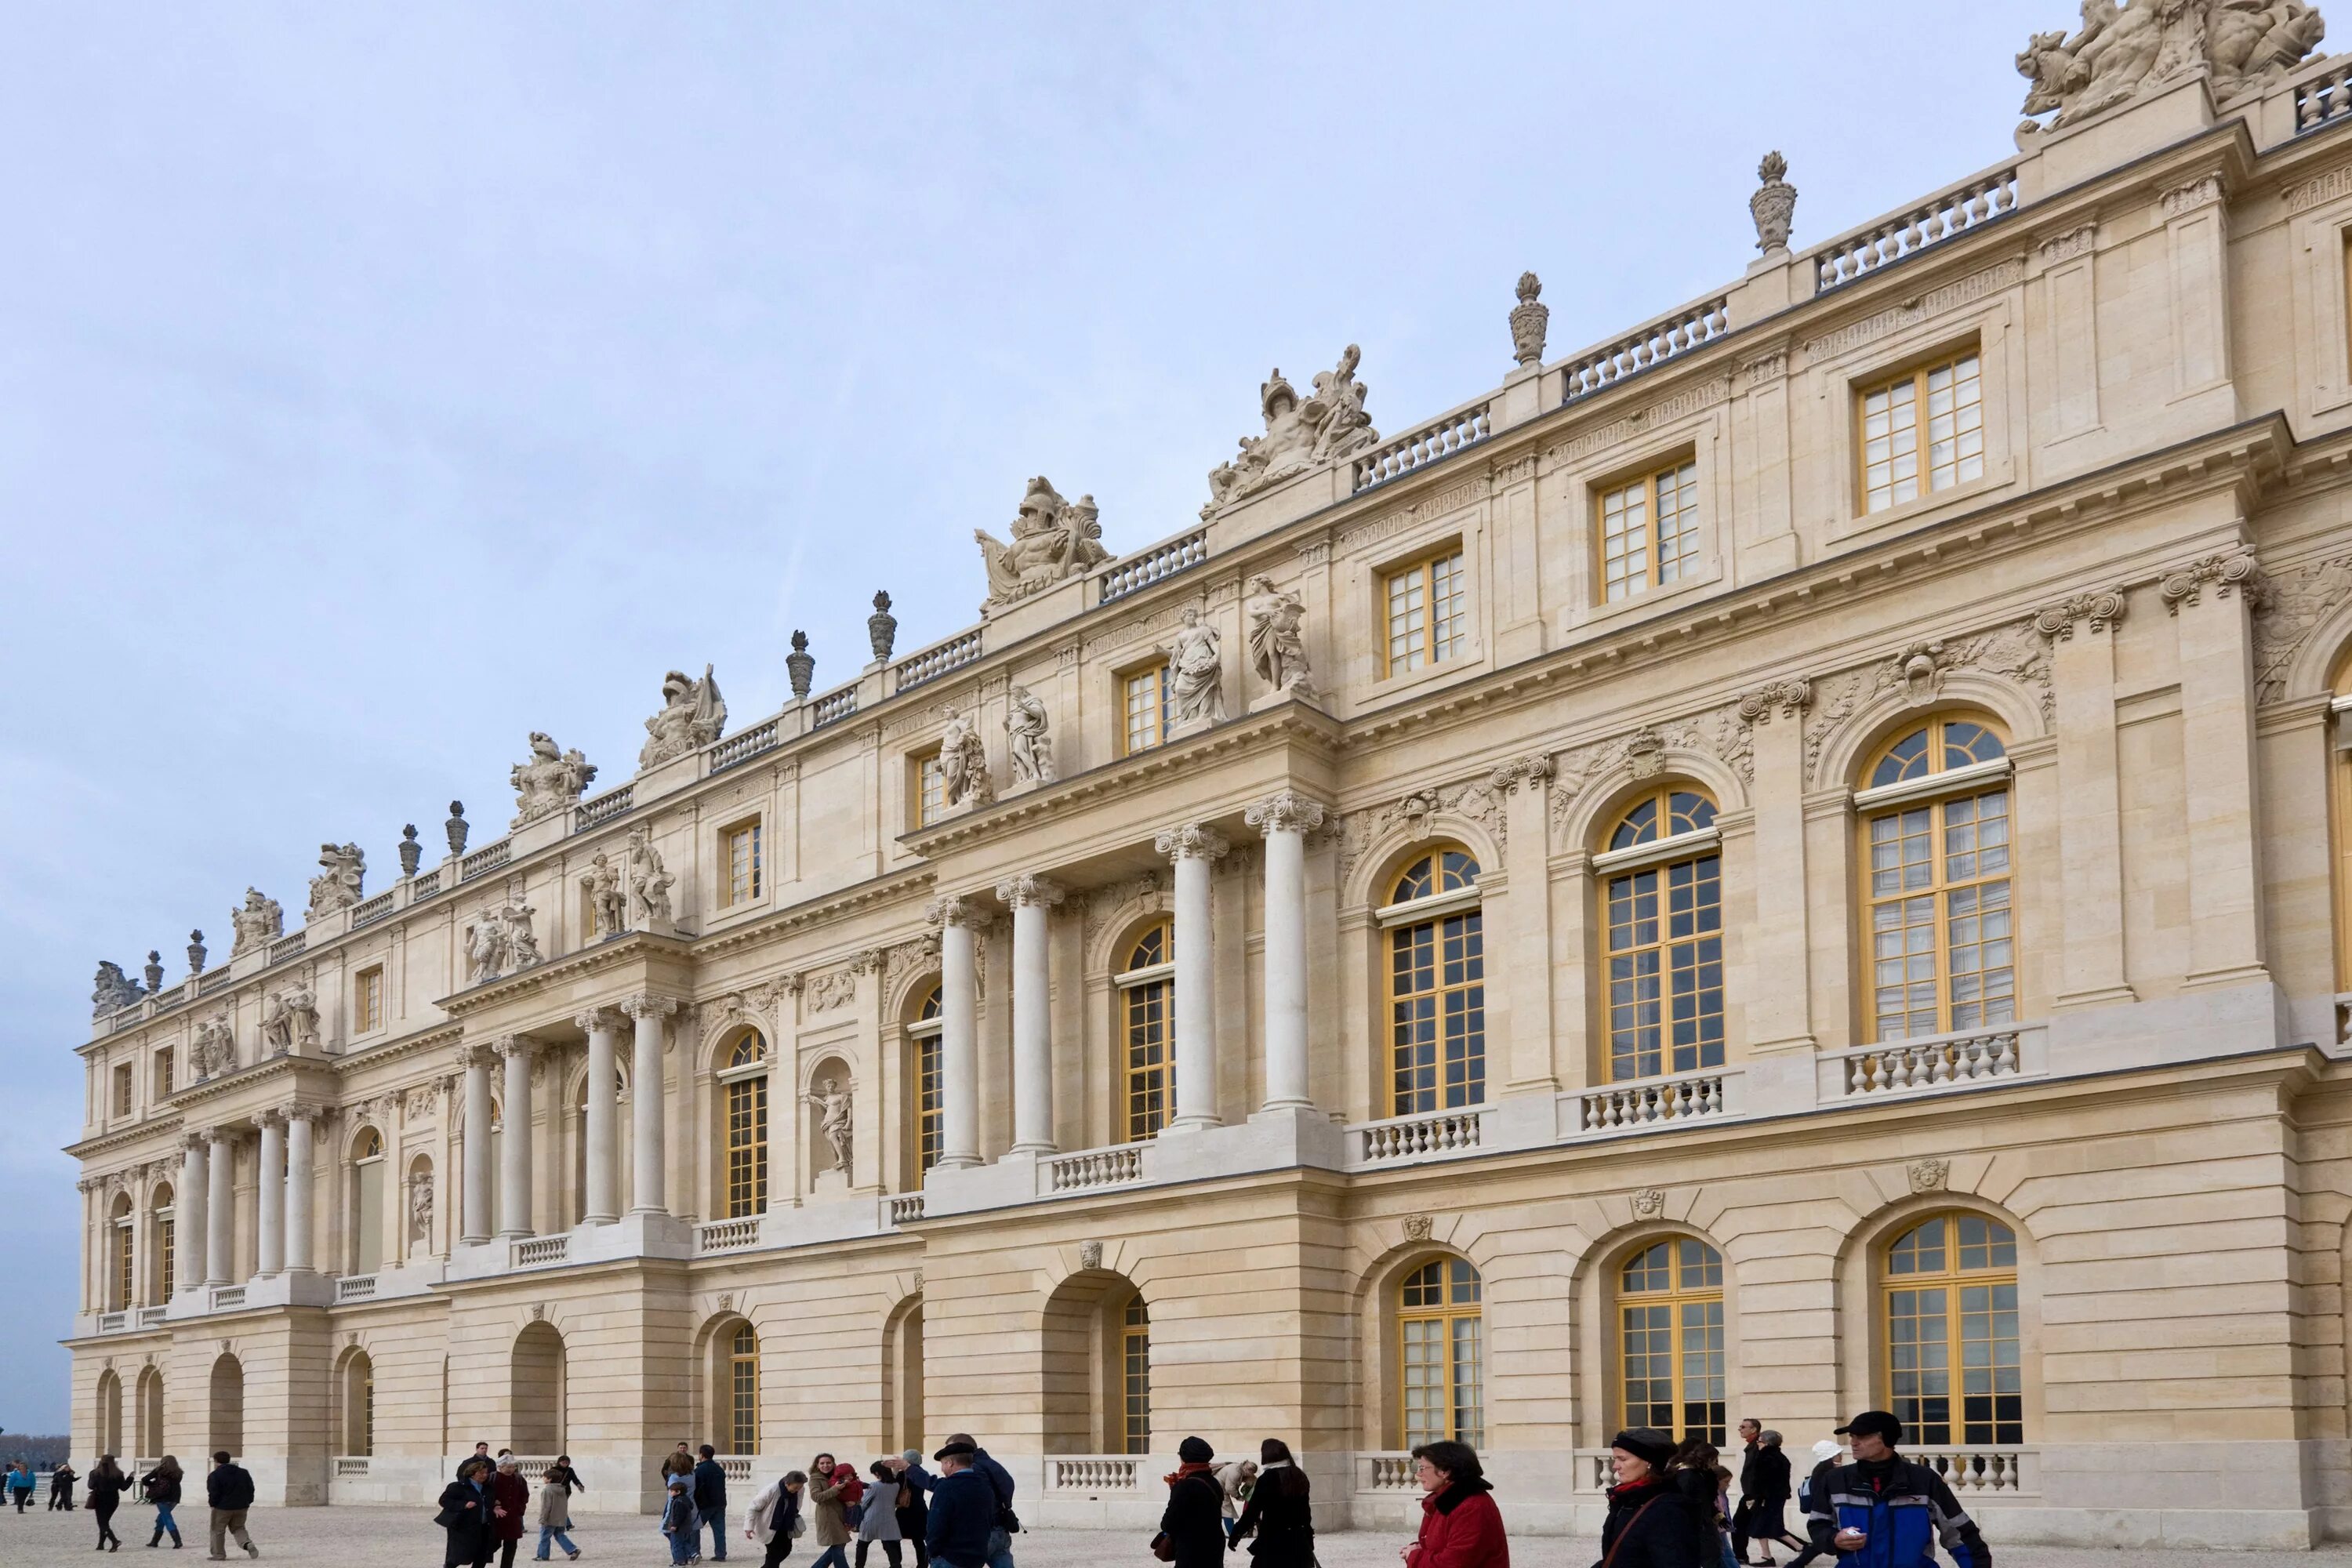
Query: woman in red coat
column 1460, row 1525
column 510, row 1500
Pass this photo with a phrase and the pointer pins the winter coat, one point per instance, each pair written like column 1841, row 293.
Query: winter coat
column 163, row 1490
column 773, row 1512
column 468, row 1528
column 677, row 1515
column 1462, row 1528
column 512, row 1493
column 962, row 1513
column 1281, row 1524
column 825, row 1521
column 228, row 1487
column 710, row 1484
column 554, row 1505
column 1194, row 1520
column 1230, row 1482
column 914, row 1514
column 1902, row 1507
column 880, row 1519
column 106, row 1485
column 1653, row 1523
column 1764, row 1476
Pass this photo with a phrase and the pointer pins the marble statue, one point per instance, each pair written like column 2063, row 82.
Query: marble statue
column 115, row 990
column 500, row 943
column 1196, row 673
column 214, row 1051
column 2120, row 53
column 608, row 902
column 1052, row 539
column 692, row 716
column 831, row 1101
column 547, row 783
column 1329, row 425
column 648, row 882
column 964, row 762
column 1027, row 741
column 1530, row 318
column 259, row 923
column 420, row 1206
column 338, row 886
column 1773, row 204
column 290, row 1021
column 1277, row 652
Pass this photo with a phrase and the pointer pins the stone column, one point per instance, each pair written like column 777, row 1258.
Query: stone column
column 2090, row 809
column 301, row 1158
column 514, row 1152
column 1194, row 847
column 220, row 1206
column 269, row 1213
column 651, row 1016
column 188, row 1211
column 2210, row 600
column 475, row 1226
column 1285, row 820
column 958, row 1037
column 601, row 1204
column 1033, row 1029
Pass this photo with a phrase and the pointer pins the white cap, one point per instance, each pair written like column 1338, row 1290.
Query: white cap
column 1825, row 1450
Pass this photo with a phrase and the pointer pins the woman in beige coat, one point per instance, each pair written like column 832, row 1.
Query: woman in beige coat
column 831, row 1529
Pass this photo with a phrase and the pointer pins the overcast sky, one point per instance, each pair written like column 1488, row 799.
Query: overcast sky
column 378, row 385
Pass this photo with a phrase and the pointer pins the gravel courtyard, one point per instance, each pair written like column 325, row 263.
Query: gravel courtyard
column 382, row 1537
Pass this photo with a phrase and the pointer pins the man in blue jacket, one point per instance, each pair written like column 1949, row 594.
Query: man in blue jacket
column 1000, row 1487
column 709, row 1491
column 963, row 1508
column 1885, row 1511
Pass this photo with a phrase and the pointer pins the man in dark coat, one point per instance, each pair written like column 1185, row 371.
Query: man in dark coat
column 962, row 1510
column 1763, row 1490
column 465, row 1515
column 1194, row 1519
column 708, row 1485
column 1885, row 1511
column 228, row 1491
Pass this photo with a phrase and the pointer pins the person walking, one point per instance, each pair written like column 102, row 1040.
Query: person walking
column 572, row 1481
column 1192, row 1525
column 107, row 1485
column 1885, row 1511
column 1652, row 1522
column 161, row 1488
column 829, row 1518
column 1826, row 1454
column 509, row 1506
column 913, row 1513
column 1460, row 1525
column 1762, row 1516
column 553, row 1515
column 1279, row 1523
column 466, row 1504
column 228, row 1493
column 1234, row 1480
column 709, row 1483
column 678, row 1461
column 878, row 1520
column 1697, row 1471
column 775, row 1517
column 61, row 1485
column 960, row 1524
column 20, row 1483
column 679, row 1521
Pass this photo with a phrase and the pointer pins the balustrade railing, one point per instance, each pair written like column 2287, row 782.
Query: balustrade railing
column 1651, row 1102
column 350, row 1464
column 745, row 745
column 424, row 885
column 936, row 660
column 228, row 1296
column 906, row 1208
column 214, row 981
column 833, row 707
column 613, row 803
column 1972, row 1471
column 725, row 1234
column 736, row 1466
column 288, row 947
column 530, row 1251
column 355, row 1288
column 1654, row 345
column 150, row 1317
column 1385, row 1473
column 489, row 858
column 1405, row 1137
column 2324, row 99
column 1142, row 570
column 1897, row 1066
column 1091, row 1473
column 373, row 910
column 1097, row 1168
column 1454, row 433
column 1876, row 245
column 113, row 1323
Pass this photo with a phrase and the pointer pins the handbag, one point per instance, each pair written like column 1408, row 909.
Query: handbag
column 800, row 1526
column 1162, row 1548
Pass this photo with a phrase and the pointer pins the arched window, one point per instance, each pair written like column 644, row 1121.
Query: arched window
column 166, row 1255
column 1935, row 826
column 1135, row 1377
column 1670, row 1339
column 367, row 1200
column 1147, row 1010
column 1953, row 1372
column 743, row 1389
column 358, row 1404
column 1665, row 896
column 929, row 1105
column 1437, row 985
column 1442, row 1359
column 122, row 1257
column 745, row 1077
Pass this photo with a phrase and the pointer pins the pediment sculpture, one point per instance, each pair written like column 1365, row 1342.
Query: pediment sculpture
column 550, row 781
column 1052, row 539
column 1330, row 424
column 115, row 990
column 338, row 886
column 693, row 715
column 2121, row 53
column 258, row 922
column 500, row 943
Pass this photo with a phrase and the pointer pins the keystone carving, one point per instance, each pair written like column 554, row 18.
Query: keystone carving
column 1929, row 1175
column 1649, row 1203
column 1417, row 1226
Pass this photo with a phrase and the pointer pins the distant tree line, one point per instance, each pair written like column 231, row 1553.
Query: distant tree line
column 43, row 1452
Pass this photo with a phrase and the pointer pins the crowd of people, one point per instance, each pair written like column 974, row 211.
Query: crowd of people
column 228, row 1494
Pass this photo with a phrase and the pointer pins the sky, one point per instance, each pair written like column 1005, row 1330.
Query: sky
column 380, row 383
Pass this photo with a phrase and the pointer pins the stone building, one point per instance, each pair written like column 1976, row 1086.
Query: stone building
column 1887, row 709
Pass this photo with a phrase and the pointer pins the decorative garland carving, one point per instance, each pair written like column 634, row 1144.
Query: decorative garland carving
column 2296, row 601
column 2016, row 653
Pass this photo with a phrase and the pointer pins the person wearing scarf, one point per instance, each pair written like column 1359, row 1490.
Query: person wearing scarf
column 1652, row 1522
column 1194, row 1520
column 1460, row 1525
column 1281, row 1514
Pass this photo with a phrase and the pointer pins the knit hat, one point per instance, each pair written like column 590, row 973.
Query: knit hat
column 1825, row 1450
column 913, row 1456
column 1645, row 1443
column 1195, row 1451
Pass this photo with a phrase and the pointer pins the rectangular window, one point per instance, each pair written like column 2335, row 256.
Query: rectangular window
column 740, row 844
column 746, row 1147
column 1144, row 706
column 1649, row 530
column 1921, row 431
column 930, row 789
column 1428, row 612
column 164, row 1258
column 167, row 1071
column 367, row 1000
column 1941, row 952
column 122, row 1088
column 930, row 1107
column 1665, row 969
column 125, row 1261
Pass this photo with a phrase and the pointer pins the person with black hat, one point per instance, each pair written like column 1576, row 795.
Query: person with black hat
column 962, row 1509
column 1885, row 1511
column 1651, row 1522
column 1192, row 1525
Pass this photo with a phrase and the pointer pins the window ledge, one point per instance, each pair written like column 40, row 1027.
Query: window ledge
column 1950, row 779
column 1412, row 912
column 1658, row 849
column 1857, row 528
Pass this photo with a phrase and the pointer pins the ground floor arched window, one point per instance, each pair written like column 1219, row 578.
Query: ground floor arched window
column 1670, row 1339
column 1949, row 1322
column 1441, row 1359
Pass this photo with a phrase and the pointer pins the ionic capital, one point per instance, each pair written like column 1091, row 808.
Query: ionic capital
column 1018, row 891
column 471, row 1055
column 195, row 1142
column 1789, row 698
column 273, row 1119
column 645, row 1005
column 1193, row 840
column 1285, row 811
column 2235, row 572
column 305, row 1113
column 514, row 1047
column 946, row 911
column 2104, row 609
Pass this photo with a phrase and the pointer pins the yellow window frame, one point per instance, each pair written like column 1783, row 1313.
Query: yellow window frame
column 1954, row 1280
column 1928, row 818
column 1441, row 1331
column 1146, row 707
column 1147, row 1029
column 1663, row 492
column 1655, row 1323
column 1910, row 430
column 1423, row 610
column 742, row 873
column 1135, row 1377
column 743, row 1389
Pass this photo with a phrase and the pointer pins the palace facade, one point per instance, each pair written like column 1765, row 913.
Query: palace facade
column 1789, row 861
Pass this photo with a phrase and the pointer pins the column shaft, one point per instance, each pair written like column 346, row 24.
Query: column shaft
column 188, row 1209
column 220, row 1197
column 1284, row 820
column 269, row 1232
column 514, row 1152
column 301, row 1178
column 1194, row 848
column 651, row 1014
column 1033, row 1029
column 476, row 1223
column 602, row 1199
column 958, row 1041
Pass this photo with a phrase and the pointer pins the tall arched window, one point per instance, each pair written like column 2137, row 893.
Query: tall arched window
column 745, row 1081
column 1670, row 1339
column 1442, row 1361
column 358, row 1404
column 1437, row 985
column 1953, row 1371
column 743, row 1389
column 928, row 1102
column 1147, row 1010
column 166, row 1255
column 122, row 1257
column 1135, row 1377
column 1935, row 824
column 367, row 1200
column 1664, row 898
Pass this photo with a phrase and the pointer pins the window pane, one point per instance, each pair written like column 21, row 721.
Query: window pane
column 1677, row 523
column 1625, row 541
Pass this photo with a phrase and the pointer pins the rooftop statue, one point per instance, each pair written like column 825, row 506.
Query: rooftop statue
column 549, row 782
column 2121, row 53
column 115, row 989
column 1052, row 539
column 1331, row 424
column 693, row 715
column 290, row 1020
column 338, row 886
column 260, row 921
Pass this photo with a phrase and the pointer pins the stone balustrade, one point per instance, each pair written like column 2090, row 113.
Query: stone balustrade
column 1111, row 1167
column 1156, row 564
column 288, row 947
column 604, row 807
column 350, row 1464
column 226, row 1298
column 1901, row 1067
column 1649, row 1104
column 2325, row 99
column 355, row 1288
column 1091, row 1473
column 538, row 1251
column 903, row 1209
column 1454, row 433
column 833, row 707
column 1860, row 252
column 1666, row 338
column 1406, row 1137
column 937, row 660
column 113, row 1323
column 424, row 885
column 489, row 858
column 726, row 1235
column 212, row 981
column 1385, row 1473
column 1991, row 1471
column 373, row 910
column 742, row 746
column 152, row 1317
